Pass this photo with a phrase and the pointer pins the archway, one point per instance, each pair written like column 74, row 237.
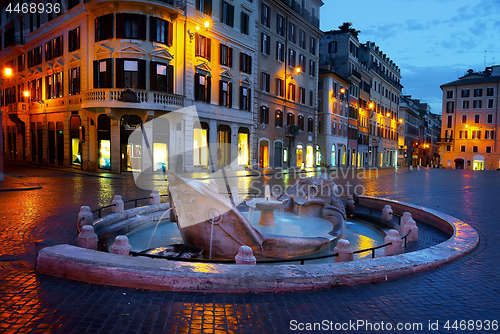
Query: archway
column 459, row 163
column 300, row 155
column 104, row 141
column 333, row 162
column 278, row 152
column 263, row 153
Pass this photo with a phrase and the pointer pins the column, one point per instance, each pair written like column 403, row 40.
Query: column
column 234, row 146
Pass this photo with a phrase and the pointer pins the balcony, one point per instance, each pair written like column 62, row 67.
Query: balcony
column 444, row 140
column 15, row 108
column 292, row 131
column 135, row 99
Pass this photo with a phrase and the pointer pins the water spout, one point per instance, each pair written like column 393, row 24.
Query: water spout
column 158, row 223
column 267, row 193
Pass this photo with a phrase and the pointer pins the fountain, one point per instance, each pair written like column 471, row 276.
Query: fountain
column 266, row 206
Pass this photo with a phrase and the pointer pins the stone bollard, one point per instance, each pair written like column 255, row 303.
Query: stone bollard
column 344, row 250
column 395, row 248
column 349, row 205
column 387, row 213
column 85, row 217
column 121, row 246
column 411, row 225
column 119, row 205
column 87, row 238
column 411, row 167
column 245, row 256
column 154, row 198
column 418, row 167
column 404, row 219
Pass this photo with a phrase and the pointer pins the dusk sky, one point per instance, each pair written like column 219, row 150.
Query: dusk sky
column 432, row 42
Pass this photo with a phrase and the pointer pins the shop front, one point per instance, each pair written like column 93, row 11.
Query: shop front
column 130, row 153
column 200, row 145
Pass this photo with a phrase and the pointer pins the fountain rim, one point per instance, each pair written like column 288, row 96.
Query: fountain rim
column 110, row 269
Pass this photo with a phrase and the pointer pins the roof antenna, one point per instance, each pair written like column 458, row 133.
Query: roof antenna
column 485, row 51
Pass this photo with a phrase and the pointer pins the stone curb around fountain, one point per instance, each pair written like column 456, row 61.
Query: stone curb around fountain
column 155, row 274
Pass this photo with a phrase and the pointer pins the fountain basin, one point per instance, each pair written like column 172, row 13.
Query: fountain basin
column 109, row 269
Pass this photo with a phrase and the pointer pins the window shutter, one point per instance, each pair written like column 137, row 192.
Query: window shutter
column 249, row 65
column 197, row 87
column 209, row 48
column 242, row 61
column 208, row 7
column 109, row 26
column 61, row 45
column 230, row 51
column 142, row 74
column 268, row 45
column 262, row 16
column 197, row 45
column 208, row 82
column 268, row 88
column 152, row 29
column 277, row 50
column 119, row 72
column 170, row 79
column 241, row 98
column 96, row 29
column 77, row 84
column 109, row 73
column 142, row 27
column 198, row 5
column 96, row 74
column 267, row 115
column 119, row 25
column 230, row 95
column 221, row 55
column 152, row 75
column 262, row 42
column 221, row 101
column 231, row 16
column 170, row 33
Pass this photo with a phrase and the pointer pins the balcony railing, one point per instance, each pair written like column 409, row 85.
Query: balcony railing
column 143, row 98
column 444, row 140
column 17, row 107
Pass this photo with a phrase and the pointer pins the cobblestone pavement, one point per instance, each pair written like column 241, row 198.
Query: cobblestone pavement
column 466, row 289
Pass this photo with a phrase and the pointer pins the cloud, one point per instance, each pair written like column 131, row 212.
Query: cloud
column 413, row 24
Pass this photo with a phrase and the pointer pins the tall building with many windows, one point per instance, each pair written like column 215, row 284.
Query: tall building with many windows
column 286, row 92
column 470, row 121
column 84, row 77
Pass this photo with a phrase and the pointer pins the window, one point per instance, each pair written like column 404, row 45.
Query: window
column 280, row 51
column 227, row 14
column 492, row 132
column 203, row 46
column 450, row 121
column 21, row 63
column 74, row 81
column 204, row 6
column 332, row 47
column 489, row 118
column 280, row 87
column 302, row 41
column 264, row 115
column 103, row 73
column 473, row 134
column 312, row 68
column 450, row 106
column 280, row 25
column 462, row 148
column 490, row 103
column 265, row 82
column 449, row 94
column 127, row 73
column 131, row 26
column 72, row 3
column 161, row 77
column 301, row 123
column 311, row 98
column 291, row 58
column 54, row 86
column 448, row 148
column 312, row 45
column 104, row 27
column 478, row 92
column 161, row 31
column 264, row 18
column 226, row 55
column 202, row 88
column 474, row 149
column 245, row 98
column 302, row 63
column 488, row 149
column 486, row 134
column 465, row 104
column 245, row 23
column 225, row 94
column 302, row 95
column 310, row 125
column 460, row 134
column 466, row 134
column 265, row 44
column 490, row 91
column 477, row 104
column 465, row 93
column 479, row 134
column 54, row 48
column 477, row 118
column 291, row 91
column 290, row 119
column 278, row 119
column 464, row 119
column 291, row 33
column 74, row 39
column 245, row 63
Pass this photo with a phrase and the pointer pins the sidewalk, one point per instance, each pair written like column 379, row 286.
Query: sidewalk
column 15, row 184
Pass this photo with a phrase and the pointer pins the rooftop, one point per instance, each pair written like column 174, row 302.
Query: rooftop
column 490, row 74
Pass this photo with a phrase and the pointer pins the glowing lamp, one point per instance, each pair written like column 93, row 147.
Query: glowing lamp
column 297, row 69
column 400, row 120
column 8, row 71
column 197, row 28
column 207, row 24
column 371, row 105
column 342, row 90
column 26, row 93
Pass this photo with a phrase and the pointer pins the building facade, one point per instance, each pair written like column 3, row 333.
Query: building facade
column 287, row 83
column 85, row 78
column 470, row 121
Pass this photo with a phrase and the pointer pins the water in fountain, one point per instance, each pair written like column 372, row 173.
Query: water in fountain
column 158, row 223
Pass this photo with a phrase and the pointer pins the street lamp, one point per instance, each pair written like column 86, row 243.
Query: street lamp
column 8, row 72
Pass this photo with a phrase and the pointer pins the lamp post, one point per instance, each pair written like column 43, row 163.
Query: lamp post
column 297, row 71
column 7, row 74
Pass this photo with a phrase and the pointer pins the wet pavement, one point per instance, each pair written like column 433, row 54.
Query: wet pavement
column 467, row 289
